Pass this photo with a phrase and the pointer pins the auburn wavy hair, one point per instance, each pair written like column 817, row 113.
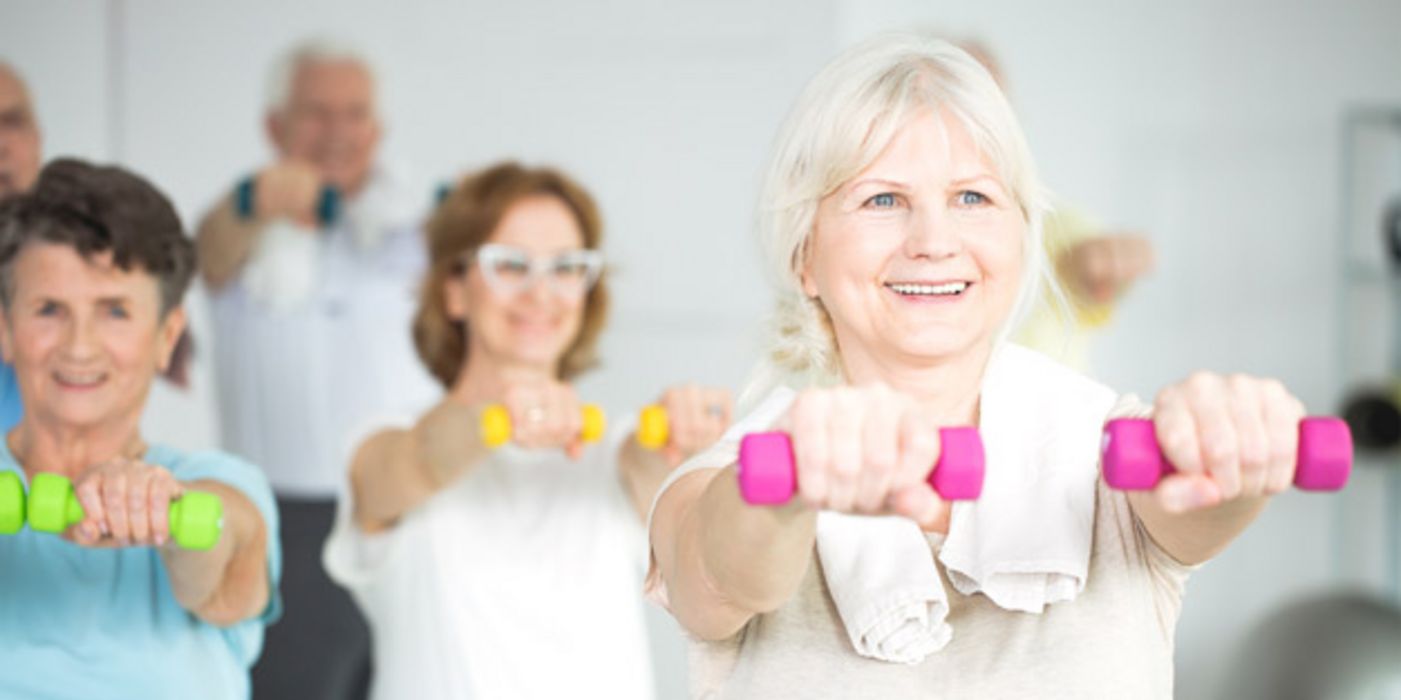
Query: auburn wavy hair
column 463, row 222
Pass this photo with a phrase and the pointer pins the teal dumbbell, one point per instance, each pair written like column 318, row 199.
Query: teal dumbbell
column 328, row 202
column 196, row 519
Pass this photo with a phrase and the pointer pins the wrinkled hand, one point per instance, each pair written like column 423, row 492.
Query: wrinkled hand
column 126, row 502
column 545, row 414
column 866, row 450
column 696, row 416
column 1229, row 437
column 290, row 190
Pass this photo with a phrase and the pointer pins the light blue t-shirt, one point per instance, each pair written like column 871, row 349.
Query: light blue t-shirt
column 104, row 623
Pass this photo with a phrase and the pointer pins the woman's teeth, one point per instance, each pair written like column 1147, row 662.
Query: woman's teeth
column 945, row 289
column 80, row 379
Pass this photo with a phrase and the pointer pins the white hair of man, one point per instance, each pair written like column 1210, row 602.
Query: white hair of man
column 843, row 120
column 283, row 73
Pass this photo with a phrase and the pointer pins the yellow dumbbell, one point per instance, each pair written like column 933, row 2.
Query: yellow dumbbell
column 653, row 427
column 496, row 425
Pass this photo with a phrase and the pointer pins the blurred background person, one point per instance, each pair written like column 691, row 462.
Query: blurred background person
column 510, row 571
column 93, row 267
column 312, row 305
column 20, row 145
column 20, row 139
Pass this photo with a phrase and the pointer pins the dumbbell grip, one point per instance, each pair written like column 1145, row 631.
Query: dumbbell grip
column 328, row 201
column 767, row 473
column 1133, row 461
column 195, row 519
column 495, row 427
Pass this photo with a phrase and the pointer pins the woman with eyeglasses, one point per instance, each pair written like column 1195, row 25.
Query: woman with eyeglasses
column 511, row 570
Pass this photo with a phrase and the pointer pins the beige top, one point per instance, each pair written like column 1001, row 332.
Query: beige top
column 1114, row 641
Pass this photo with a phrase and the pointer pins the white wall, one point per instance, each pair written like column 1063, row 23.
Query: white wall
column 1211, row 126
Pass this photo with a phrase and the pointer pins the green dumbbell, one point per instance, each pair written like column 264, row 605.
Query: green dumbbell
column 196, row 519
column 11, row 503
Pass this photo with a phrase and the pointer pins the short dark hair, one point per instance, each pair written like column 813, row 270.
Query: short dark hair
column 96, row 209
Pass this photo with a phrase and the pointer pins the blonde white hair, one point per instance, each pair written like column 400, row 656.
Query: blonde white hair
column 314, row 51
column 843, row 120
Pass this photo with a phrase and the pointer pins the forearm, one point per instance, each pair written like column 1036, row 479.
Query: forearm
column 642, row 471
column 228, row 583
column 397, row 471
column 723, row 560
column 1194, row 537
column 224, row 242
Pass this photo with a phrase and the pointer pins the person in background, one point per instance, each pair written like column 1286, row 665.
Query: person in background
column 20, row 146
column 510, row 571
column 94, row 264
column 311, row 264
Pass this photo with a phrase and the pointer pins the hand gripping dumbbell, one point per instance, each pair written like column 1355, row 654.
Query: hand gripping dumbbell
column 328, row 203
column 1133, row 460
column 196, row 518
column 496, row 425
column 767, row 475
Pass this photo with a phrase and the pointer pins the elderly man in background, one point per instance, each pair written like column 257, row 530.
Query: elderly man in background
column 19, row 167
column 311, row 264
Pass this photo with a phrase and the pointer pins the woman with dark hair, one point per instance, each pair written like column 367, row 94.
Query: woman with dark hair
column 511, row 571
column 93, row 267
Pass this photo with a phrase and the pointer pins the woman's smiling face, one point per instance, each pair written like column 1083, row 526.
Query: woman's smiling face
column 919, row 257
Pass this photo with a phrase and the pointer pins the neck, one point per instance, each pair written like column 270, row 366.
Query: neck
column 948, row 387
column 47, row 446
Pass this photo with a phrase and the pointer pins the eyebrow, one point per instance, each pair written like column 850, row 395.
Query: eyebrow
column 878, row 181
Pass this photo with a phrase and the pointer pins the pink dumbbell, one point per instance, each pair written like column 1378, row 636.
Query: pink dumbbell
column 767, row 475
column 1134, row 462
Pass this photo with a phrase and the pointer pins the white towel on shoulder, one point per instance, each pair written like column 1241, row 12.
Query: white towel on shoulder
column 1025, row 543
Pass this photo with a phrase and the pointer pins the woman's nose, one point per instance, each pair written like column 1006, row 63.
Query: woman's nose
column 80, row 342
column 932, row 235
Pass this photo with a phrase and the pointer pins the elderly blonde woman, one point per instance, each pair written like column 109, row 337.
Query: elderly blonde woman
column 93, row 266
column 902, row 217
column 510, row 571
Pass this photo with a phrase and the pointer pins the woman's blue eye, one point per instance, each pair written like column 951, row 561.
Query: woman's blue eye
column 969, row 198
column 48, row 308
column 884, row 200
column 116, row 311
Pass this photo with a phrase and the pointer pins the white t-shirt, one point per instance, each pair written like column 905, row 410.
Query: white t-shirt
column 523, row 579
column 314, row 338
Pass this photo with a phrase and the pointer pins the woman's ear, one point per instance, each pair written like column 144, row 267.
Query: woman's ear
column 455, row 297
column 7, row 351
column 804, row 265
column 172, row 327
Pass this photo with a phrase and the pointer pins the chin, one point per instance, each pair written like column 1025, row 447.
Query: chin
column 938, row 345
